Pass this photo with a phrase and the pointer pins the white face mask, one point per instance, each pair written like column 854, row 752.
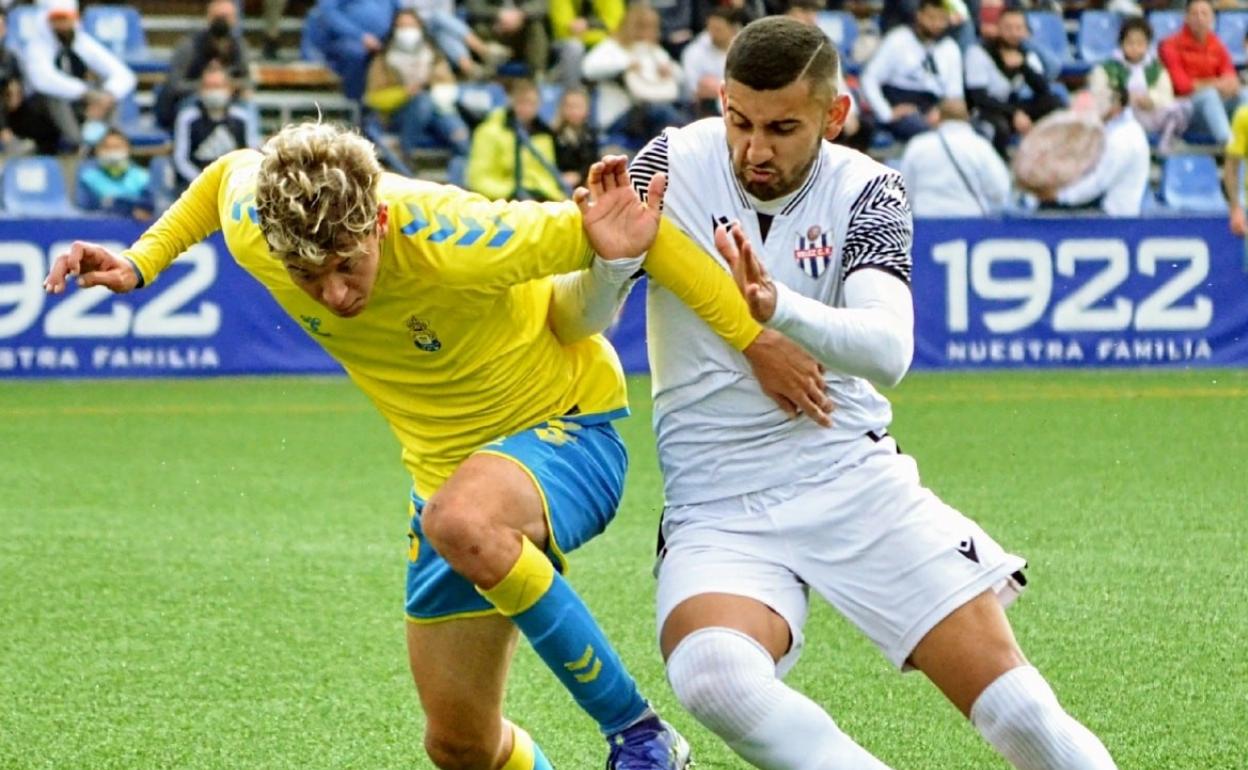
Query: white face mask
column 408, row 38
column 216, row 98
column 113, row 160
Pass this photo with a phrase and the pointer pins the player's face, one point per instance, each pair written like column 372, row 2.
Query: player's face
column 343, row 285
column 775, row 136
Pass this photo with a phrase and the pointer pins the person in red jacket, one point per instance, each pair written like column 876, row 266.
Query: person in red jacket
column 1201, row 69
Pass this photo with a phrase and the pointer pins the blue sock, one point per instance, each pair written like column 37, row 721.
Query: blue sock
column 565, row 635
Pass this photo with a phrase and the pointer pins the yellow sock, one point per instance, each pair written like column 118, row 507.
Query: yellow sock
column 527, row 582
column 521, row 751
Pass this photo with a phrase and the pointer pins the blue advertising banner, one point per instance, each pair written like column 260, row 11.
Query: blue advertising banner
column 988, row 294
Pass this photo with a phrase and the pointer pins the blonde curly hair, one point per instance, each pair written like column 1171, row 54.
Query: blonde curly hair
column 316, row 193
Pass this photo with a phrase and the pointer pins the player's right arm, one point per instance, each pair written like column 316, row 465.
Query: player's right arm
column 193, row 217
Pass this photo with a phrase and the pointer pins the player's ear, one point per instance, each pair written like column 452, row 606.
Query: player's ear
column 723, row 97
column 383, row 219
column 834, row 120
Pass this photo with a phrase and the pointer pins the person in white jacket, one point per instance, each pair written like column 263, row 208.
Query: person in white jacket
column 953, row 171
column 82, row 80
column 638, row 83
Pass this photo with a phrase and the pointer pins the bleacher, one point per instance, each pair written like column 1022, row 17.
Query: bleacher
column 299, row 85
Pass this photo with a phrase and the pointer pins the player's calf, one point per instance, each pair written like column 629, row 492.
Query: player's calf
column 1020, row 716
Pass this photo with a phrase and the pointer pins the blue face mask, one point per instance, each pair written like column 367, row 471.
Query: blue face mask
column 93, row 131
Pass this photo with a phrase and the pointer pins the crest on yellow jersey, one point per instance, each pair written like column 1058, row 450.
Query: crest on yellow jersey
column 423, row 336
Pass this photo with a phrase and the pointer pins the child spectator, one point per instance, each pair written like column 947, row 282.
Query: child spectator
column 576, row 141
column 110, row 183
column 514, row 135
column 1146, row 82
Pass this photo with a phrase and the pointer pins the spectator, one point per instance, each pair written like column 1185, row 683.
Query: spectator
column 1006, row 83
column 402, row 83
column 678, row 21
column 1146, row 81
column 1200, row 67
column 578, row 26
column 273, row 10
column 21, row 115
column 213, row 125
column 220, row 42
column 354, row 32
column 703, row 60
column 456, row 40
column 969, row 181
column 520, row 26
column 81, row 79
column 576, row 141
column 1116, row 183
column 963, row 15
column 912, row 70
column 510, row 135
column 109, row 182
column 638, row 83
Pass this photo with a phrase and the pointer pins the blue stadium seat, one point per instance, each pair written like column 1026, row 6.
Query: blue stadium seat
column 1048, row 31
column 24, row 23
column 1098, row 35
column 164, row 182
column 841, row 28
column 479, row 99
column 1191, row 183
column 120, row 29
column 551, row 94
column 1232, row 26
column 1164, row 24
column 312, row 42
column 35, row 187
column 142, row 132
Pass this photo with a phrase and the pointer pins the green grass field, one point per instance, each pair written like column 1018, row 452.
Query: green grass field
column 209, row 574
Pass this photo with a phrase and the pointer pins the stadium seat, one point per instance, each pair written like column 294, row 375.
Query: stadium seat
column 551, row 94
column 841, row 28
column 1232, row 27
column 1048, row 31
column 35, row 187
column 1191, row 183
column 142, row 132
column 1164, row 24
column 479, row 99
column 1098, row 35
column 164, row 182
column 312, row 41
column 120, row 29
column 24, row 22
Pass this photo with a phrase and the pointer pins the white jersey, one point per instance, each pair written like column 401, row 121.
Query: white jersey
column 718, row 434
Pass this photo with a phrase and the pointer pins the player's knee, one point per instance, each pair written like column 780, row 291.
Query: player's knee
column 451, row 528
column 452, row 750
column 724, row 679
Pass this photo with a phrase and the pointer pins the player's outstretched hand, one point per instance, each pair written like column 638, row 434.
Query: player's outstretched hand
column 93, row 265
column 618, row 223
column 790, row 376
column 748, row 271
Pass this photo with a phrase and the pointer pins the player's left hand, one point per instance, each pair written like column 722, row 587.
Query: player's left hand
column 618, row 224
column 748, row 271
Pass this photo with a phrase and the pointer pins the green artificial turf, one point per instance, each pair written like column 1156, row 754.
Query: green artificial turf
column 209, row 574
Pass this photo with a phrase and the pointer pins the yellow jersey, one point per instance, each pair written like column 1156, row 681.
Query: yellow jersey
column 454, row 346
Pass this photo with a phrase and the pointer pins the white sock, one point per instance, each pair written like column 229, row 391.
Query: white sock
column 1020, row 716
column 728, row 681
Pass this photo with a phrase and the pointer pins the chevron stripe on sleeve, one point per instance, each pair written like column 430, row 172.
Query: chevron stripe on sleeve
column 650, row 161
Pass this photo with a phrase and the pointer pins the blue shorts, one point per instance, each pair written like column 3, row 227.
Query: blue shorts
column 578, row 465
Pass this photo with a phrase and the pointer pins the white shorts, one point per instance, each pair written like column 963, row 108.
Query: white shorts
column 869, row 538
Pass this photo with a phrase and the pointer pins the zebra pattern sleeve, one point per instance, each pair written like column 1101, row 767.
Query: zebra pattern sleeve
column 650, row 161
column 881, row 229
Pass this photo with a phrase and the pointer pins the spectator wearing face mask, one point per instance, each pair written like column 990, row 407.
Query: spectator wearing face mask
column 412, row 87
column 210, row 127
column 82, row 80
column 220, row 42
column 110, row 183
